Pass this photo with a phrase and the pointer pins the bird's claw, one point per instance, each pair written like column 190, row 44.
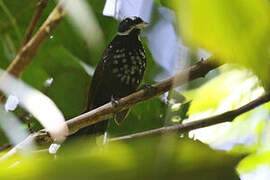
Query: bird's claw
column 114, row 101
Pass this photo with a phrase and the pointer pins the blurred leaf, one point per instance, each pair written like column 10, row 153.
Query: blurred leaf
column 69, row 91
column 248, row 133
column 3, row 138
column 55, row 59
column 224, row 92
column 233, row 88
column 234, row 30
column 35, row 76
column 254, row 161
column 138, row 159
column 11, row 19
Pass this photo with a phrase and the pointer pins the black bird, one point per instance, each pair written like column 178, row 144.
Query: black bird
column 119, row 72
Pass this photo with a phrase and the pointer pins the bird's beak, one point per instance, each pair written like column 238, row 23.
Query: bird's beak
column 141, row 25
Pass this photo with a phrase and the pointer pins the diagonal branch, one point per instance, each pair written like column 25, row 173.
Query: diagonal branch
column 29, row 50
column 224, row 117
column 107, row 111
column 36, row 16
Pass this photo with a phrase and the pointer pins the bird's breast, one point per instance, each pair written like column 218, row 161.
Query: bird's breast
column 128, row 65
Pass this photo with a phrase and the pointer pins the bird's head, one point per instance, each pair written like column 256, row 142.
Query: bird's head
column 131, row 24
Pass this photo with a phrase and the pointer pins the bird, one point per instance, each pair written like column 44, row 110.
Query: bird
column 118, row 73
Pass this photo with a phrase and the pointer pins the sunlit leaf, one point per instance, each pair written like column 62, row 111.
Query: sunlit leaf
column 255, row 166
column 138, row 159
column 233, row 88
column 233, row 30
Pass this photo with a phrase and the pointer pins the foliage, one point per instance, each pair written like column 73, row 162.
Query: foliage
column 129, row 160
column 235, row 31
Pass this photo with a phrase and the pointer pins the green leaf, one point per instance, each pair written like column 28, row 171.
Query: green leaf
column 234, row 30
column 145, row 116
column 69, row 91
column 251, row 162
column 146, row 158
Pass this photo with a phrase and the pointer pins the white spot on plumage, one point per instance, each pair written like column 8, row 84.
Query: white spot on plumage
column 115, row 70
column 134, row 67
column 132, row 71
column 128, row 79
column 126, row 71
column 142, row 54
column 123, row 78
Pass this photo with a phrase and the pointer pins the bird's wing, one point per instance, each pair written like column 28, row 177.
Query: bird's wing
column 99, row 74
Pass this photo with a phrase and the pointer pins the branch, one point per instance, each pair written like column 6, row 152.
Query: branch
column 31, row 27
column 29, row 50
column 224, row 117
column 107, row 111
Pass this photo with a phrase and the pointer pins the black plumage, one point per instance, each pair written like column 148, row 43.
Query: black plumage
column 119, row 72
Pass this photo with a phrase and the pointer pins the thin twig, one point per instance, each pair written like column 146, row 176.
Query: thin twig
column 41, row 5
column 224, row 117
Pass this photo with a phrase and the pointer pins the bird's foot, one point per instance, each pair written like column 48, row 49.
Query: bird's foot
column 114, row 101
